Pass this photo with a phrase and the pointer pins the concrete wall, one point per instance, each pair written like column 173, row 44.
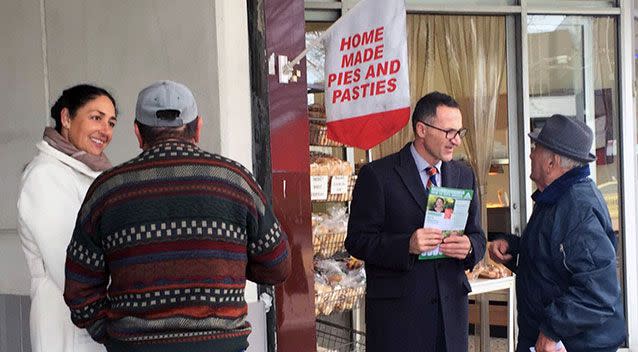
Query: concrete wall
column 14, row 332
column 123, row 46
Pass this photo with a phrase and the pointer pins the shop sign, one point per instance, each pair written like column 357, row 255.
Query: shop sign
column 367, row 89
column 339, row 184
column 318, row 187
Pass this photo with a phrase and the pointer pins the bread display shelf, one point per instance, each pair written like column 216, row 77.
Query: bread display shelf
column 338, row 299
column 319, row 136
column 328, row 244
column 332, row 188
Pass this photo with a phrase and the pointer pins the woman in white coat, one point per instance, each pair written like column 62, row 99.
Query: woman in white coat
column 70, row 156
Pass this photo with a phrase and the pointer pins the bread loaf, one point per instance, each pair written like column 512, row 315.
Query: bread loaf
column 325, row 165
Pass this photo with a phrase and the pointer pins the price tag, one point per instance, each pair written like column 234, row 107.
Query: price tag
column 318, row 187
column 339, row 184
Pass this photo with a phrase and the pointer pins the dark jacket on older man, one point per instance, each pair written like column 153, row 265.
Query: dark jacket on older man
column 566, row 281
column 411, row 304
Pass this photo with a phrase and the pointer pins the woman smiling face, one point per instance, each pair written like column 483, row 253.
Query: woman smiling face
column 91, row 128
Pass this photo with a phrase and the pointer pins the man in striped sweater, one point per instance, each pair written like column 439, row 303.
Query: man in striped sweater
column 164, row 243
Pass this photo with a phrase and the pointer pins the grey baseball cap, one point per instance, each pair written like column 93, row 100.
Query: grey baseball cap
column 165, row 104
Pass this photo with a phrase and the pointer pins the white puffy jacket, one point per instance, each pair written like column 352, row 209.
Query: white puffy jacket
column 52, row 190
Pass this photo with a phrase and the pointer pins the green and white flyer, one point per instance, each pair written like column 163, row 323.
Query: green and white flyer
column 447, row 209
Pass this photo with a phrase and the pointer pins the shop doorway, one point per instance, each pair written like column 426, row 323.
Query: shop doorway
column 573, row 71
column 557, row 63
column 470, row 58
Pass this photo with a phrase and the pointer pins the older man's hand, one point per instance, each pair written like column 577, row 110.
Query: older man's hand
column 456, row 246
column 498, row 251
column 545, row 344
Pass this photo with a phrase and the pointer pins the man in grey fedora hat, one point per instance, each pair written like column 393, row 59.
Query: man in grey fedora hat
column 568, row 294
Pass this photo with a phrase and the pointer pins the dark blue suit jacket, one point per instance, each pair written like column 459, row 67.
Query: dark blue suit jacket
column 403, row 293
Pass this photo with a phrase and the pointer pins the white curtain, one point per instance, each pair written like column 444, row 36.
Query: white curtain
column 421, row 59
column 471, row 53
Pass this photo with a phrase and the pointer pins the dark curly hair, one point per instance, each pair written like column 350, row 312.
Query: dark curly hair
column 74, row 98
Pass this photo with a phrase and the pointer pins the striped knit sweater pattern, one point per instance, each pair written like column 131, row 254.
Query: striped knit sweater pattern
column 163, row 246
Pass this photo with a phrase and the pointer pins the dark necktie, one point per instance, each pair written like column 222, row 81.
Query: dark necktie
column 431, row 171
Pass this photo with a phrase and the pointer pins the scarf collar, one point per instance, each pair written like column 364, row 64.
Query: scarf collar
column 58, row 142
column 556, row 189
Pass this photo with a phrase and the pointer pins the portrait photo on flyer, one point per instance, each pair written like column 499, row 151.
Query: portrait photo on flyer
column 447, row 209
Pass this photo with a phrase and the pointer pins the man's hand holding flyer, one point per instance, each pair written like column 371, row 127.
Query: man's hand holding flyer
column 447, row 209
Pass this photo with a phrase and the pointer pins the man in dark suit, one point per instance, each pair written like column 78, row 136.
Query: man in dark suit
column 415, row 305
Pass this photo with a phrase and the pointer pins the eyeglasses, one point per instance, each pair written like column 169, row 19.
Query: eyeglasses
column 451, row 133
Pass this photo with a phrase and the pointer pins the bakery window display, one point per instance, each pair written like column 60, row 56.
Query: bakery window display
column 329, row 232
column 331, row 179
column 318, row 129
column 339, row 285
column 322, row 164
column 339, row 278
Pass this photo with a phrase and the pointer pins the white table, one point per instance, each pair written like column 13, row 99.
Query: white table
column 482, row 286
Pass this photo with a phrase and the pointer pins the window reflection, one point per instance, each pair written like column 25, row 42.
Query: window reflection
column 572, row 63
